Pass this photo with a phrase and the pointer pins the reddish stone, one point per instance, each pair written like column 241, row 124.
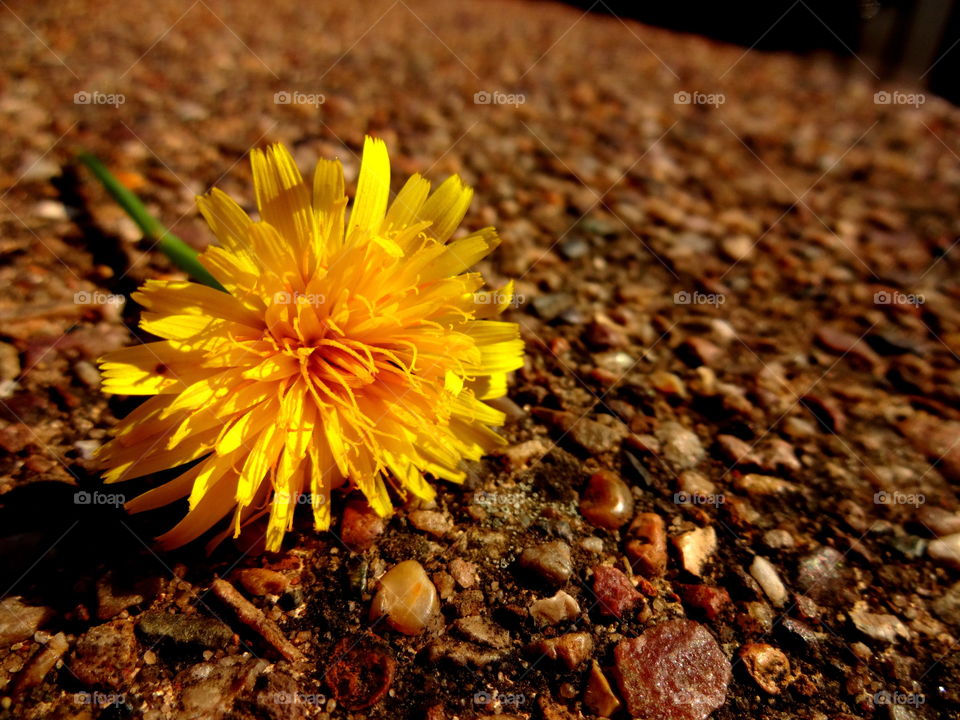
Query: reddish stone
column 674, row 671
column 617, row 595
column 648, row 548
column 360, row 525
column 708, row 600
column 361, row 672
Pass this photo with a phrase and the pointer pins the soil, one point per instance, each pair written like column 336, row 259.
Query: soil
column 738, row 290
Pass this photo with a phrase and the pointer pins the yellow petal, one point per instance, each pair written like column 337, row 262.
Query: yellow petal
column 373, row 187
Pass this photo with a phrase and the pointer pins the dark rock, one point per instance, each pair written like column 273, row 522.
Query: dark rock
column 821, row 574
column 105, row 655
column 185, row 631
column 208, row 690
column 673, row 671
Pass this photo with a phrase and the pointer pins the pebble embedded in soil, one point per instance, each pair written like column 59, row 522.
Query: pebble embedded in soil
column 681, row 447
column 406, row 597
column 554, row 610
column 261, row 581
column 550, row 562
column 598, row 696
column 878, row 626
column 616, row 595
column 157, row 628
column 19, row 621
column 572, row 649
column 105, row 655
column 607, row 501
column 673, row 671
column 647, row 548
column 765, row 573
column 696, row 547
column 946, row 550
column 767, row 665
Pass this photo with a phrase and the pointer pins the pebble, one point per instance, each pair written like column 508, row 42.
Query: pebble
column 673, row 671
column 549, row 306
column 778, row 539
column 736, row 451
column 463, row 654
column 767, row 665
column 762, row 485
column 681, row 447
column 698, row 351
column 764, row 572
column 707, row 600
column 550, row 562
column 947, row 606
column 360, row 525
column 158, row 627
column 9, row 362
column 571, row 649
column 937, row 439
column 696, row 484
column 598, row 696
column 598, row 436
column 696, row 547
column 208, row 690
column 607, row 502
column 431, row 522
column 362, row 671
column 463, row 572
column 41, row 663
column 261, row 581
column 878, row 626
column 554, row 610
column 647, row 550
column 939, row 521
column 50, row 210
column 406, row 597
column 105, row 655
column 737, row 247
column 616, row 595
column 946, row 550
column 822, row 573
column 482, row 631
column 19, row 621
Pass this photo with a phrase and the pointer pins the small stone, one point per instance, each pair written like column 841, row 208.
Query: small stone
column 737, row 247
column 9, row 362
column 406, row 597
column 673, row 671
column 463, row 654
column 767, row 665
column 946, row 550
column 50, row 210
column 822, row 573
column 648, row 548
column 607, row 502
column 762, row 485
column 571, row 649
column 766, row 575
column 598, row 436
column 261, row 581
column 947, row 606
column 550, row 306
column 362, row 672
column 938, row 521
column 208, row 690
column 698, row 351
column 778, row 539
column 668, row 384
column 360, row 525
column 19, row 621
column 696, row 484
column 681, row 448
column 736, row 451
column 554, row 610
column 431, row 521
column 550, row 562
column 105, row 655
column 574, row 248
column 706, row 600
column 616, row 595
column 878, row 626
column 598, row 696
column 159, row 627
column 482, row 631
column 463, row 572
column 695, row 548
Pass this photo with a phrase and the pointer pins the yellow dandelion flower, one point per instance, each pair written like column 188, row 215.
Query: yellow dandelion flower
column 348, row 350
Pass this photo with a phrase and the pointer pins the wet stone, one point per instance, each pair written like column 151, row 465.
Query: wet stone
column 673, row 671
column 647, row 548
column 407, row 598
column 607, row 501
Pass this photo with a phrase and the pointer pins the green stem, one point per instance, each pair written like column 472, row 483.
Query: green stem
column 180, row 254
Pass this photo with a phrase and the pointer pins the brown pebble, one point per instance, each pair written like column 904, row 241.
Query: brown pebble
column 40, row 664
column 361, row 671
column 616, row 595
column 406, row 597
column 550, row 561
column 571, row 649
column 260, row 581
column 767, row 665
column 598, row 696
column 607, row 502
column 360, row 525
column 647, row 549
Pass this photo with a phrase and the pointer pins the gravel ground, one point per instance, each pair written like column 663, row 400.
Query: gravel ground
column 730, row 488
